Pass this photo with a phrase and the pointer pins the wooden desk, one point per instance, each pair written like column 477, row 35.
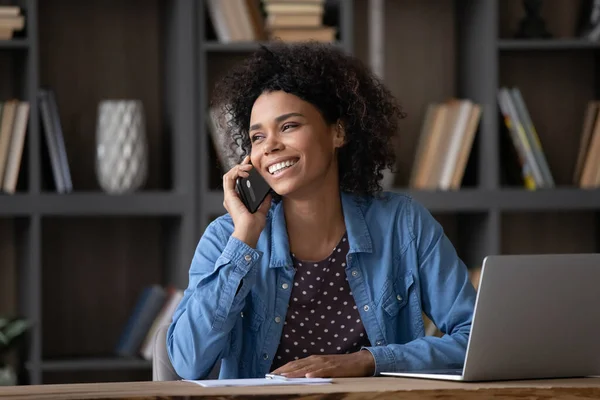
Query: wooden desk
column 349, row 389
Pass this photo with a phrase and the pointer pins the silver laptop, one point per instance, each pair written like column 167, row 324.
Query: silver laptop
column 535, row 317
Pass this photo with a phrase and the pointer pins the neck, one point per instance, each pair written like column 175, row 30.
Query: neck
column 315, row 223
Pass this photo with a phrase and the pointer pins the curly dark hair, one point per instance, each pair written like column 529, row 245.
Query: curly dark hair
column 339, row 85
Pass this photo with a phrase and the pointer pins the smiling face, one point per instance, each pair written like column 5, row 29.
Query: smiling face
column 293, row 147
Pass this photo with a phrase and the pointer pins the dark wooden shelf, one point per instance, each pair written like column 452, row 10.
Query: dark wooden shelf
column 476, row 200
column 547, row 44
column 235, row 47
column 94, row 204
column 561, row 198
column 16, row 205
column 215, row 46
column 468, row 200
column 14, row 44
column 95, row 364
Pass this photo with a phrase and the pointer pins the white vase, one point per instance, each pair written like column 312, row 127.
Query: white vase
column 121, row 146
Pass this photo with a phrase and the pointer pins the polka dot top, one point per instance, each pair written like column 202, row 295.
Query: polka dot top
column 322, row 317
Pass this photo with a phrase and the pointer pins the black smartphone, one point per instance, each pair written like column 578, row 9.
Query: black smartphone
column 252, row 190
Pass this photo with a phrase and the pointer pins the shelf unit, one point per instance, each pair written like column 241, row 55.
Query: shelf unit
column 545, row 44
column 83, row 257
column 16, row 43
column 96, row 364
column 78, row 261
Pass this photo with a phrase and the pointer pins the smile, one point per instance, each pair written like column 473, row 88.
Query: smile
column 277, row 168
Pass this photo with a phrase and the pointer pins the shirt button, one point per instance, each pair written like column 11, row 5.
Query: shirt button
column 278, row 319
column 285, row 286
column 242, row 314
column 265, row 356
column 355, row 273
column 248, row 257
column 366, row 308
column 399, row 298
column 378, row 343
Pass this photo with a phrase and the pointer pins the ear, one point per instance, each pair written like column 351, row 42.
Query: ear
column 339, row 138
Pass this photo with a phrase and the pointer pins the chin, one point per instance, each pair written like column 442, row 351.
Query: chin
column 283, row 189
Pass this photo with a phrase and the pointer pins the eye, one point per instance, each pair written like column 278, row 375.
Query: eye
column 289, row 125
column 255, row 137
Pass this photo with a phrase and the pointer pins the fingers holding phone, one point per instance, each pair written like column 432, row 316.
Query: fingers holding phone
column 249, row 216
column 231, row 200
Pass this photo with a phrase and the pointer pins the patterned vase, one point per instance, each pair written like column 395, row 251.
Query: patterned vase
column 121, row 146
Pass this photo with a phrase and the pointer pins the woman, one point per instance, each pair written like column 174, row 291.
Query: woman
column 330, row 278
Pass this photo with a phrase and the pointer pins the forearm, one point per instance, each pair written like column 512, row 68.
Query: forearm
column 429, row 352
column 199, row 333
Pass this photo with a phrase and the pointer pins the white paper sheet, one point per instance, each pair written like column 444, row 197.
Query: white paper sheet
column 260, row 382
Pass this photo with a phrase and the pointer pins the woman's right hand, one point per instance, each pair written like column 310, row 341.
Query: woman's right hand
column 247, row 226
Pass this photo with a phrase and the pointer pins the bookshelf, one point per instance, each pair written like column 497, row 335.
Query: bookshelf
column 78, row 261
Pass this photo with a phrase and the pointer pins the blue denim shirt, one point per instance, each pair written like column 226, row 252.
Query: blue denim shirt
column 400, row 263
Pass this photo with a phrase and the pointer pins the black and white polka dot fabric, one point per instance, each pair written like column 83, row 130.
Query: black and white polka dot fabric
column 322, row 317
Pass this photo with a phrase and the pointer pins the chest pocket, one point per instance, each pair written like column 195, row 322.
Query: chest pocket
column 396, row 294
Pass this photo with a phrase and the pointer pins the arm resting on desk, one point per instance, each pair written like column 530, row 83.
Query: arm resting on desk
column 447, row 297
column 221, row 275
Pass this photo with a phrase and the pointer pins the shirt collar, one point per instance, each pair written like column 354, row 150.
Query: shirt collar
column 359, row 238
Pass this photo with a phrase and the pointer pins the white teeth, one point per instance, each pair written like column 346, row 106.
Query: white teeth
column 279, row 166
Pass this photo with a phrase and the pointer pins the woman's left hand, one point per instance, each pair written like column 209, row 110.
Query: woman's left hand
column 360, row 363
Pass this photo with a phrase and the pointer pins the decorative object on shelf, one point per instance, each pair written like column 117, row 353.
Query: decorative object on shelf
column 121, row 146
column 533, row 26
column 12, row 332
column 589, row 20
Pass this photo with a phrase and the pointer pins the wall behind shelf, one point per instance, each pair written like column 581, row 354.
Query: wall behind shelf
column 11, row 62
column 560, row 16
column 8, row 267
column 92, row 276
column 550, row 232
column 95, row 50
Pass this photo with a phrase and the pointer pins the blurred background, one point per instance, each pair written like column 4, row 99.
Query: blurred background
column 110, row 165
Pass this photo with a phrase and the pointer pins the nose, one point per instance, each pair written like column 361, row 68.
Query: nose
column 272, row 144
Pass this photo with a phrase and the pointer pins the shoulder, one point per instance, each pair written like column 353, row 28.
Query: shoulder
column 393, row 203
column 400, row 209
column 220, row 228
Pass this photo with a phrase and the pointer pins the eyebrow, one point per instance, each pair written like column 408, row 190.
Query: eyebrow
column 278, row 119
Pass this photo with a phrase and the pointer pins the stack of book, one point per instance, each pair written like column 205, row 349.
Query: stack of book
column 445, row 143
column 587, row 169
column 154, row 308
column 534, row 166
column 297, row 20
column 237, row 20
column 11, row 20
column 14, row 117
